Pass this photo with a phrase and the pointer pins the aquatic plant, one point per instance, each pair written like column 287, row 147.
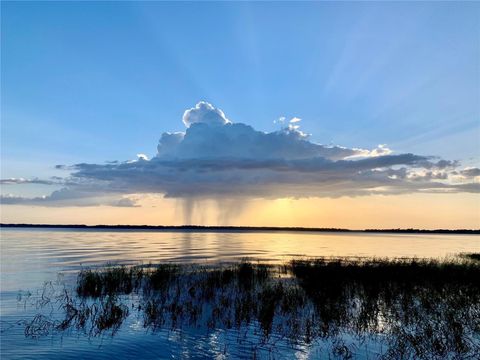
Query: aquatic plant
column 107, row 281
column 471, row 256
column 419, row 309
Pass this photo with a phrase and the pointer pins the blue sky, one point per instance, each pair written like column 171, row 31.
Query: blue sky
column 89, row 82
column 102, row 81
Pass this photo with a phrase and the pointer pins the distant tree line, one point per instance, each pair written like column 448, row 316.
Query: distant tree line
column 239, row 228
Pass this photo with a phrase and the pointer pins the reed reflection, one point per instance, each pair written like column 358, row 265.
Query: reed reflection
column 414, row 308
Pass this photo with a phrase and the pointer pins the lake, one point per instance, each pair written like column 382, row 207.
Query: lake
column 31, row 257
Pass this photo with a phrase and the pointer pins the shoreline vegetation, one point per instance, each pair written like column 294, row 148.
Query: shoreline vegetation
column 397, row 308
column 201, row 228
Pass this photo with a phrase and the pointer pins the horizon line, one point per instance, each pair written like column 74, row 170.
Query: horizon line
column 236, row 228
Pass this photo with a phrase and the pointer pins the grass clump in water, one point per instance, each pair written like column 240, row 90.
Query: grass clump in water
column 419, row 309
column 108, row 281
column 471, row 256
column 162, row 275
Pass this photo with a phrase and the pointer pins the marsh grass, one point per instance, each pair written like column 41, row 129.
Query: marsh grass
column 427, row 309
column 419, row 309
column 108, row 281
column 471, row 256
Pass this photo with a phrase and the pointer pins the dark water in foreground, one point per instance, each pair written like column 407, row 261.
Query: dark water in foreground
column 31, row 257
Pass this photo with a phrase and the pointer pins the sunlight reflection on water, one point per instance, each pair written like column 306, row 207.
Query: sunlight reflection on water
column 31, row 257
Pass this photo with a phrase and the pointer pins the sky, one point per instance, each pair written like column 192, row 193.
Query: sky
column 325, row 114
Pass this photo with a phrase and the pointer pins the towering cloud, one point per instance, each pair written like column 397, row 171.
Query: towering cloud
column 216, row 157
column 204, row 113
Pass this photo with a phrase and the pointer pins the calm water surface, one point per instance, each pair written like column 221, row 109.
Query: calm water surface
column 31, row 257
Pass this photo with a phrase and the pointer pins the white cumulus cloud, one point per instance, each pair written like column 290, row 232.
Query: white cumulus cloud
column 215, row 157
column 204, row 113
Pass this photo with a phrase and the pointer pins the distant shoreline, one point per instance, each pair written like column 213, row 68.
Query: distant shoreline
column 235, row 228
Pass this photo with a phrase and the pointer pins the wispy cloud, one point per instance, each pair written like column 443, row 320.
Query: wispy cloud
column 216, row 157
column 71, row 197
column 17, row 181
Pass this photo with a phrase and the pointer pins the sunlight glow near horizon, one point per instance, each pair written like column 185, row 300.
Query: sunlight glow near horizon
column 410, row 211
